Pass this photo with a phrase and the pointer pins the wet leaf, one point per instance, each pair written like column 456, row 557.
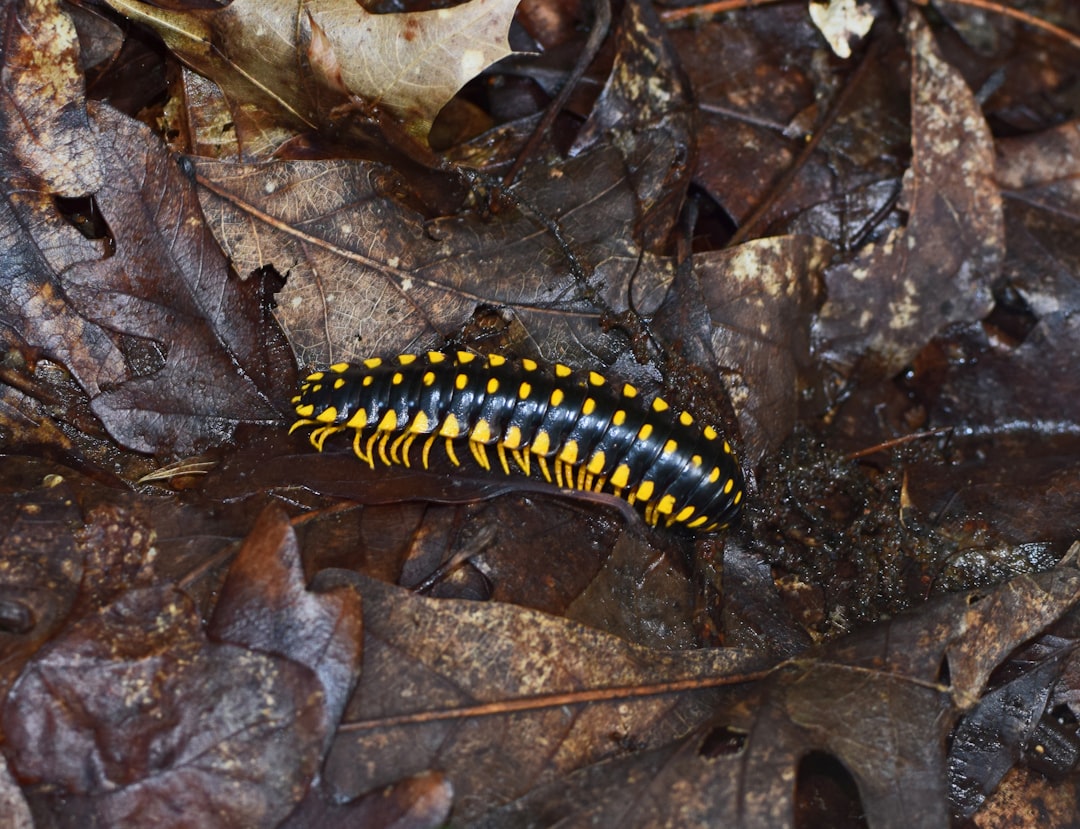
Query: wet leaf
column 169, row 284
column 131, row 712
column 44, row 124
column 892, row 298
column 422, row 657
column 759, row 297
column 371, row 273
column 265, row 607
column 742, row 768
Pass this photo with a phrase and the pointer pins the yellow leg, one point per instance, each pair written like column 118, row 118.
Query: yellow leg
column 382, row 448
column 356, row 445
column 542, row 461
column 371, row 449
column 521, row 458
column 450, row 452
column 407, row 446
column 300, row 423
column 319, row 436
column 426, row 454
column 502, row 458
column 479, row 451
column 400, row 439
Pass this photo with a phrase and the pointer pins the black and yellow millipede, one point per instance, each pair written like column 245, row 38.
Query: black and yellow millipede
column 513, row 416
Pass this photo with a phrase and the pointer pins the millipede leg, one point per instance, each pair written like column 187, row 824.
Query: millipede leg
column 479, row 451
column 356, row 447
column 400, row 439
column 299, row 423
column 425, row 456
column 542, row 461
column 450, row 452
column 502, row 458
column 521, row 458
column 371, row 449
column 319, row 436
column 584, row 478
column 406, row 447
column 382, row 448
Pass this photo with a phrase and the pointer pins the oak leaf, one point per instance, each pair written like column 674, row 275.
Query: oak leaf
column 305, row 60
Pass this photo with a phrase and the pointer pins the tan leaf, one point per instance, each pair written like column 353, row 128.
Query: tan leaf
column 414, row 63
column 303, row 60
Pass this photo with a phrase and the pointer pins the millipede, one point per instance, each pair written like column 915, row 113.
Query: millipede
column 577, row 429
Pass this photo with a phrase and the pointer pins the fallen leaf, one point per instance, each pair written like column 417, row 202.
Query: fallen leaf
column 413, row 63
column 168, row 283
column 842, row 23
column 878, row 704
column 265, row 607
column 759, row 297
column 44, row 125
column 303, row 60
column 423, row 656
column 131, row 714
column 896, row 294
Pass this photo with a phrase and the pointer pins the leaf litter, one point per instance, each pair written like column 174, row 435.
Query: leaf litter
column 288, row 640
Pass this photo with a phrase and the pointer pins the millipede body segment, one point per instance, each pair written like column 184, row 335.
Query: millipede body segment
column 578, row 430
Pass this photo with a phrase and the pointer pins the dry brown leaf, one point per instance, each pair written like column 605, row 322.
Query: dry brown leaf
column 413, row 63
column 304, row 59
column 170, row 283
column 369, row 274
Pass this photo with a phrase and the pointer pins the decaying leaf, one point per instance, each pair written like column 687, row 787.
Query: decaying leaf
column 304, row 59
column 937, row 269
column 755, row 295
column 265, row 606
column 132, row 712
column 169, row 283
column 371, row 273
column 423, row 656
column 877, row 703
column 36, row 243
column 44, row 125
